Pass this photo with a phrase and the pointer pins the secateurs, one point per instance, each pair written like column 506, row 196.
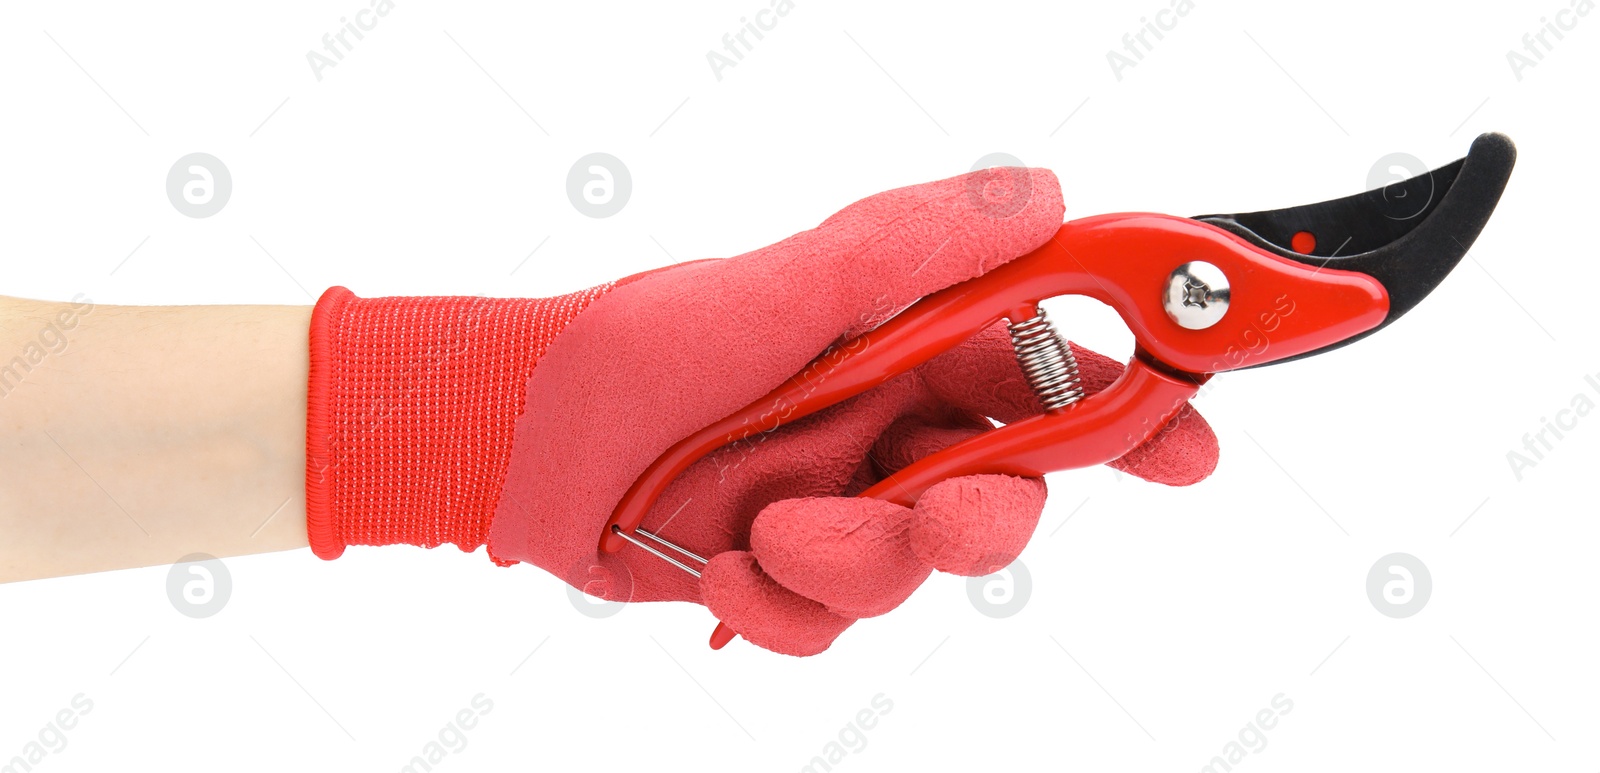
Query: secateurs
column 1201, row 295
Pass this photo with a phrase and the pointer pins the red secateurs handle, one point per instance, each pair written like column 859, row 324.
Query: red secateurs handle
column 1277, row 308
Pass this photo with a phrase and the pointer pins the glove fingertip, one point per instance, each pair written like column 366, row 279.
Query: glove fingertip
column 976, row 524
column 1182, row 453
column 1095, row 370
column 849, row 554
column 764, row 612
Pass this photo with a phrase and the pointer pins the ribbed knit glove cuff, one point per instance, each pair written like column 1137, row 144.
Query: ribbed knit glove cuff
column 411, row 409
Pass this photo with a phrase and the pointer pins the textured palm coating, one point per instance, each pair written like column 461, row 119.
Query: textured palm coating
column 666, row 355
column 674, row 351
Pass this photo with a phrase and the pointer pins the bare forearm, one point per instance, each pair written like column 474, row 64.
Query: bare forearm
column 133, row 436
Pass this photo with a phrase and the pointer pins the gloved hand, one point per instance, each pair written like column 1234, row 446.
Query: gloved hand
column 523, row 422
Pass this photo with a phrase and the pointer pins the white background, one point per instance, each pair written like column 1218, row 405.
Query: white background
column 1160, row 620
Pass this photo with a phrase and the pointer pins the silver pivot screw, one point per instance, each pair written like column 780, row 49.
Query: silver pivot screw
column 1196, row 296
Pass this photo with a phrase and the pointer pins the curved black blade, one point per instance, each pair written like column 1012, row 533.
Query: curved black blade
column 1407, row 235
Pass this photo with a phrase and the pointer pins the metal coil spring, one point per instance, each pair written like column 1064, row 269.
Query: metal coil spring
column 1046, row 361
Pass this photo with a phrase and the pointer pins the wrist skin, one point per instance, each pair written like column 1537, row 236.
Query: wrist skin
column 136, row 435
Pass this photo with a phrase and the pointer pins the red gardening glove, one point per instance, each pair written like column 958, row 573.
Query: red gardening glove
column 412, row 409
